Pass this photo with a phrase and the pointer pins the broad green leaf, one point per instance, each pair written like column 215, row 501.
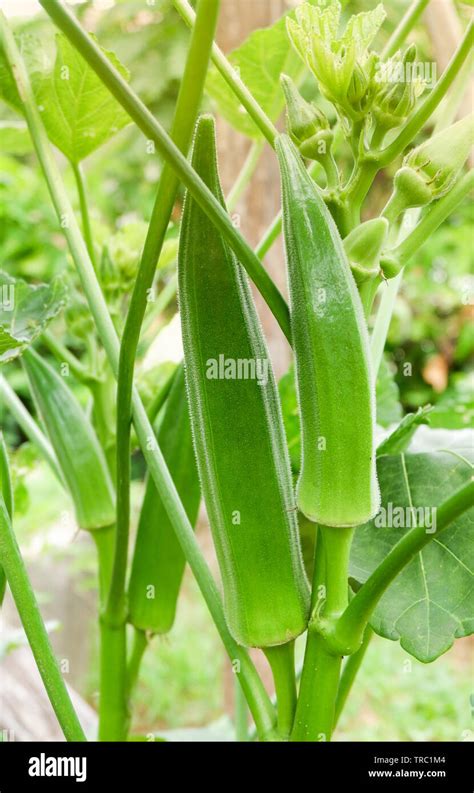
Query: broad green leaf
column 14, row 138
column 78, row 111
column 399, row 440
column 260, row 61
column 389, row 409
column 25, row 311
column 431, row 602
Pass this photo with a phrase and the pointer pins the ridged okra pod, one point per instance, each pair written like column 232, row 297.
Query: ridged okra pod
column 237, row 429
column 337, row 485
column 158, row 561
column 75, row 443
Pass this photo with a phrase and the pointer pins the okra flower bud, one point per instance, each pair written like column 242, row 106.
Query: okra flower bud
column 440, row 159
column 307, row 126
column 363, row 247
column 430, row 170
column 399, row 92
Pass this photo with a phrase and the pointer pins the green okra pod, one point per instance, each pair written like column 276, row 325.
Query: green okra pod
column 237, row 429
column 158, row 561
column 75, row 443
column 337, row 485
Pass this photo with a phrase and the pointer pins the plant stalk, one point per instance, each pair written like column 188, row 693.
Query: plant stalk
column 231, row 77
column 259, row 702
column 35, row 630
column 282, row 662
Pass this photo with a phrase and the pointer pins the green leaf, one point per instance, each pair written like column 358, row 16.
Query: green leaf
column 389, row 409
column 430, row 603
column 14, row 138
column 35, row 54
column 260, row 60
column 78, row 111
column 399, row 440
column 455, row 409
column 25, row 311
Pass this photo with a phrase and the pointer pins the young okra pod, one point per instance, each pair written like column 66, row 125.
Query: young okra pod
column 77, row 448
column 158, row 561
column 337, row 485
column 237, row 428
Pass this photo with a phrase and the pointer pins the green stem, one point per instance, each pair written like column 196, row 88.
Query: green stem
column 245, row 175
column 162, row 395
column 231, row 77
column 337, row 541
column 282, row 661
column 349, row 630
column 349, row 674
column 140, row 644
column 114, row 716
column 84, row 208
column 120, row 89
column 166, row 295
column 241, row 715
column 383, row 319
column 421, row 116
column 433, row 218
column 315, row 711
column 63, row 355
column 259, row 702
column 406, row 24
column 35, row 630
column 29, row 427
column 187, row 106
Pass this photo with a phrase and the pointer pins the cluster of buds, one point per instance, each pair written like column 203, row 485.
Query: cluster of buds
column 342, row 65
column 397, row 91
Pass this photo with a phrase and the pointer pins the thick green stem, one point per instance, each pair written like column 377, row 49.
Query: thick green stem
column 315, row 711
column 406, row 24
column 84, row 209
column 337, row 547
column 349, row 631
column 349, row 673
column 282, row 661
column 35, row 630
column 113, row 704
column 259, row 702
column 231, row 77
column 92, row 53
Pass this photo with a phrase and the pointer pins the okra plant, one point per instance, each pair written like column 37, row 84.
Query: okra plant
column 386, row 511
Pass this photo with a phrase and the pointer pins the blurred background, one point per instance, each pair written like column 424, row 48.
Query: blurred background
column 184, row 682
